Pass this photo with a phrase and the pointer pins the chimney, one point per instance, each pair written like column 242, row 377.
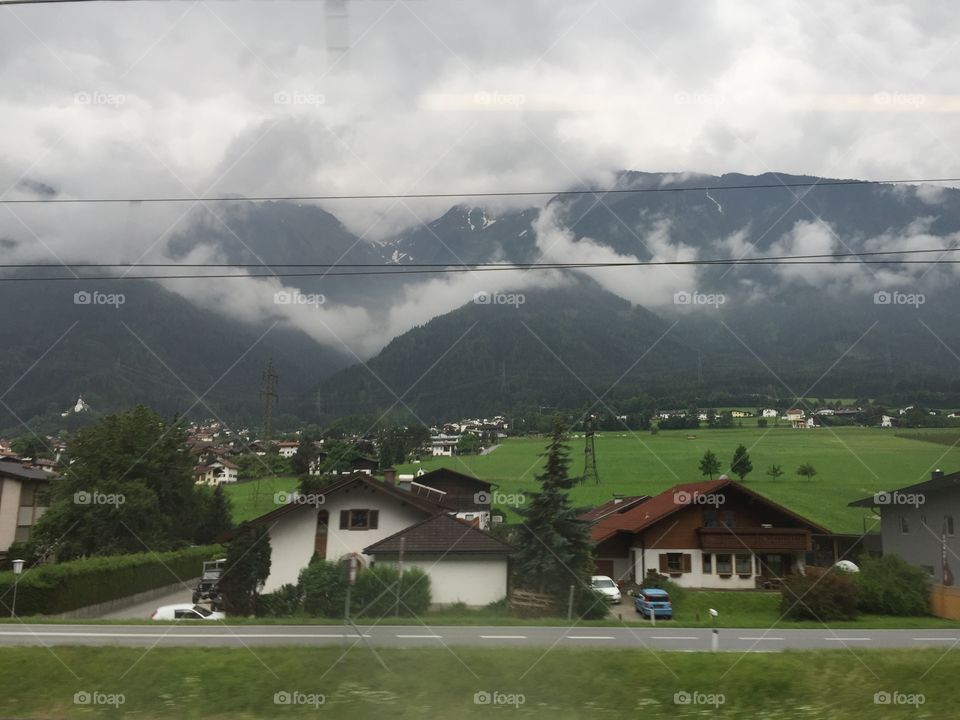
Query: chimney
column 938, row 473
column 390, row 476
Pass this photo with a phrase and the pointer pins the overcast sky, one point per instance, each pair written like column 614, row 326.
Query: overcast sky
column 176, row 98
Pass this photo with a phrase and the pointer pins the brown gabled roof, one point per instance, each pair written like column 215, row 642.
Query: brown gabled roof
column 416, row 501
column 20, row 471
column 666, row 503
column 441, row 534
column 617, row 505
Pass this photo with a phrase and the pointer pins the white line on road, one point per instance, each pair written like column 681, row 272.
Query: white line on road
column 759, row 638
column 674, row 637
column 590, row 637
column 939, row 639
column 412, row 637
column 504, row 637
column 839, row 639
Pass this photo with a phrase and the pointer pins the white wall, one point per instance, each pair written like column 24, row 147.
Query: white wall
column 474, row 581
column 291, row 543
column 9, row 508
column 696, row 577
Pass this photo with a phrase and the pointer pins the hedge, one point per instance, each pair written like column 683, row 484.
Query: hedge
column 55, row 588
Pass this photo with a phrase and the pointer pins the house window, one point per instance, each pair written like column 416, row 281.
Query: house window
column 744, row 565
column 724, row 564
column 359, row 519
column 948, row 524
column 729, row 519
column 675, row 562
column 904, row 525
column 710, row 519
column 707, row 564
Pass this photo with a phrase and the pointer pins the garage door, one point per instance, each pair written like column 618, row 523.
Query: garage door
column 603, row 567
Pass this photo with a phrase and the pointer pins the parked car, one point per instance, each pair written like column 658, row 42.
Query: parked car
column 606, row 587
column 209, row 586
column 655, row 601
column 186, row 611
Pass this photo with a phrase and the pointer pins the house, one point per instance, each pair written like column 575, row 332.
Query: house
column 23, row 500
column 465, row 564
column 918, row 522
column 714, row 534
column 741, row 414
column 467, row 497
column 796, row 417
column 219, row 472
column 770, row 413
column 287, row 448
column 813, row 422
column 619, row 504
column 364, row 463
column 887, row 421
column 443, row 445
column 356, row 512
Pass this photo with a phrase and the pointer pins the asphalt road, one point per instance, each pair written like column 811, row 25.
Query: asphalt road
column 215, row 634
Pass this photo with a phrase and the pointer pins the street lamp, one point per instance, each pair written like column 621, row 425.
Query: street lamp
column 17, row 569
column 715, row 637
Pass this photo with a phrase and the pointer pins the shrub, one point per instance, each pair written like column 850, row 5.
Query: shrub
column 56, row 588
column 821, row 595
column 892, row 586
column 375, row 592
column 285, row 601
column 324, row 586
column 676, row 592
column 588, row 604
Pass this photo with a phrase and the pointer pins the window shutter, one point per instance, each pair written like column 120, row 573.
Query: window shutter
column 344, row 519
column 374, row 519
column 687, row 562
column 663, row 562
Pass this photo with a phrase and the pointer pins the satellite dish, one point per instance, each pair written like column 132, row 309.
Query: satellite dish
column 846, row 566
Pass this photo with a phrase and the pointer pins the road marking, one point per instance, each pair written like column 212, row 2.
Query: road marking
column 179, row 636
column 589, row 637
column 432, row 637
column 940, row 639
column 759, row 638
column 504, row 637
column 849, row 639
column 674, row 637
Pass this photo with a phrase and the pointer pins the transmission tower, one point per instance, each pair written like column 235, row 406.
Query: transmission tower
column 337, row 22
column 268, row 393
column 589, row 457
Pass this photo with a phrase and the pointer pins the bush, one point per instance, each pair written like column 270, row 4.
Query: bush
column 821, row 595
column 57, row 588
column 324, row 586
column 375, row 593
column 892, row 586
column 285, row 601
column 676, row 592
column 588, row 604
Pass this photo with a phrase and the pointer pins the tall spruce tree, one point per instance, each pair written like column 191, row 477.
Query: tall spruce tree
column 554, row 549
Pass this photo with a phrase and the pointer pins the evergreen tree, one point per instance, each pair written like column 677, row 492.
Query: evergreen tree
column 741, row 465
column 554, row 549
column 248, row 567
column 215, row 519
column 709, row 464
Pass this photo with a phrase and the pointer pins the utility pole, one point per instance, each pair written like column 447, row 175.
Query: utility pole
column 268, row 393
column 589, row 456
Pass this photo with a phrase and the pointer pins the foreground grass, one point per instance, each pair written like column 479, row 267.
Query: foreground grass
column 851, row 463
column 443, row 683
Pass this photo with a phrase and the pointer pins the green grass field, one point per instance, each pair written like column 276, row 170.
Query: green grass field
column 253, row 498
column 561, row 683
column 851, row 463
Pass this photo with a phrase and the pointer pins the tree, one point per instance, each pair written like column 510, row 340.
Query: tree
column 468, row 444
column 215, row 519
column 554, row 549
column 762, row 422
column 306, row 455
column 709, row 464
column 31, row 446
column 806, row 470
column 248, row 567
column 129, row 488
column 741, row 465
column 774, row 472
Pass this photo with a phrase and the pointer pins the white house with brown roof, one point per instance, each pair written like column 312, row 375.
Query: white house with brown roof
column 219, row 472
column 23, row 500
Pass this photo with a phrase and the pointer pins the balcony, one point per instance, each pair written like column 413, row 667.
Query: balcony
column 757, row 539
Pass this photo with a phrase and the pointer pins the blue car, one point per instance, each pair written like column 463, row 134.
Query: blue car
column 654, row 600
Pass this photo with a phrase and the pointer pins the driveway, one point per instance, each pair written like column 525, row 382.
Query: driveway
column 143, row 610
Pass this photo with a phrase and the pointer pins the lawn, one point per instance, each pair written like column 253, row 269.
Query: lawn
column 851, row 463
column 457, row 682
column 252, row 498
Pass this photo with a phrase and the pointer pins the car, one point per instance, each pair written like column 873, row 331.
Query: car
column 186, row 611
column 606, row 587
column 654, row 601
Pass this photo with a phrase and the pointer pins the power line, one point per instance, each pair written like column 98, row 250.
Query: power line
column 505, row 193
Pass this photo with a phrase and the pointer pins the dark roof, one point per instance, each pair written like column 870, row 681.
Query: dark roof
column 440, row 476
column 663, row 505
column 617, row 505
column 17, row 471
column 441, row 534
column 348, row 480
column 934, row 484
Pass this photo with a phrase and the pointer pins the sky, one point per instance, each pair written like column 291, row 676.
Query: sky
column 262, row 97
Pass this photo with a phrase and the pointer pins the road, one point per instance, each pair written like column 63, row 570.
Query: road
column 214, row 634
